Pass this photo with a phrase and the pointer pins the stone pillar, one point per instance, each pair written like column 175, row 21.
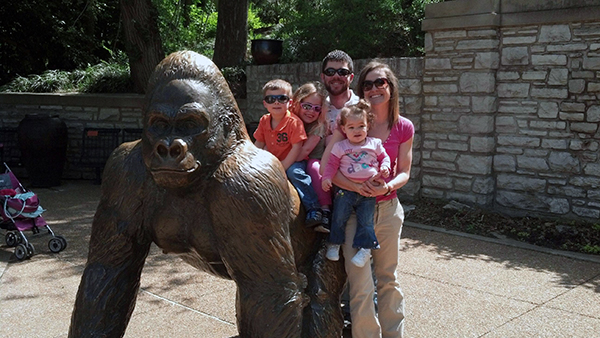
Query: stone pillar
column 459, row 87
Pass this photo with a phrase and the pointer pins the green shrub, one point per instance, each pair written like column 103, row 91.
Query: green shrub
column 100, row 78
column 106, row 78
column 591, row 249
column 49, row 81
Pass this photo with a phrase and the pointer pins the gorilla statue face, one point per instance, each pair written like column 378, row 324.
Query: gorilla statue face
column 188, row 120
column 177, row 120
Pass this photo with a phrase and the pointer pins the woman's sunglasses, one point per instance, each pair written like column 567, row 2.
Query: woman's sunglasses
column 270, row 99
column 308, row 106
column 340, row 71
column 379, row 83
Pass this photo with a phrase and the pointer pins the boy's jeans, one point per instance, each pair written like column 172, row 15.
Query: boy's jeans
column 296, row 173
column 344, row 203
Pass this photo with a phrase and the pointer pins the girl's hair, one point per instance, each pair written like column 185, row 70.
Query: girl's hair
column 320, row 127
column 360, row 110
column 394, row 110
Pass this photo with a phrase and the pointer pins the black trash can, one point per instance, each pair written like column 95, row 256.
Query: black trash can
column 43, row 142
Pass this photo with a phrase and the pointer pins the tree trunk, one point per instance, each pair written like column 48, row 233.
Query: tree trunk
column 232, row 33
column 142, row 40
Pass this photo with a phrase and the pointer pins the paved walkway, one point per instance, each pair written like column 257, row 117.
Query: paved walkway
column 455, row 286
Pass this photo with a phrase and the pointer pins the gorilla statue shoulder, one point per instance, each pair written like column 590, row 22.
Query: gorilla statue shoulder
column 197, row 187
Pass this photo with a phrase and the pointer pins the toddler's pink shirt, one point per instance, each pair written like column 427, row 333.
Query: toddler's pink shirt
column 357, row 162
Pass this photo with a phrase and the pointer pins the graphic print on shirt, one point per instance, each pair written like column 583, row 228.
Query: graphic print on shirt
column 282, row 139
column 359, row 161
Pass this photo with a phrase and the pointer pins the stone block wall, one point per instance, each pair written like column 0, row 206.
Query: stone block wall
column 458, row 115
column 511, row 108
column 79, row 111
column 548, row 114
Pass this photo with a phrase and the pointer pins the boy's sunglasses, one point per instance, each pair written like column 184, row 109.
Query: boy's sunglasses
column 340, row 71
column 379, row 83
column 308, row 106
column 270, row 99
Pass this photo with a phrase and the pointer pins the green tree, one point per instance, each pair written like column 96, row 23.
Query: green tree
column 232, row 33
column 142, row 40
column 37, row 35
column 187, row 24
column 364, row 29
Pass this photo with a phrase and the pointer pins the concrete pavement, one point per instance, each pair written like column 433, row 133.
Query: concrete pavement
column 455, row 286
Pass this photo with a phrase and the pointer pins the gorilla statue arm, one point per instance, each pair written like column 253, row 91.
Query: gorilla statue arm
column 256, row 248
column 118, row 249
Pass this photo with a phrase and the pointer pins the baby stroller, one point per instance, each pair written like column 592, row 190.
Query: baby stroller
column 21, row 211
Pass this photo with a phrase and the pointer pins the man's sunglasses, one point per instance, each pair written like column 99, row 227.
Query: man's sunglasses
column 308, row 106
column 270, row 99
column 340, row 71
column 379, row 83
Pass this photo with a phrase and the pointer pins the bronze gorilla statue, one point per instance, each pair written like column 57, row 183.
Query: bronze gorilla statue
column 197, row 187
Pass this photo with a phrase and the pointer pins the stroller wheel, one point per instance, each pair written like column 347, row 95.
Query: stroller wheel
column 56, row 245
column 63, row 240
column 11, row 239
column 21, row 252
column 30, row 250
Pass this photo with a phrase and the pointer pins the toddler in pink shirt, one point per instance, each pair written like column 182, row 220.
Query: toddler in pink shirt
column 359, row 158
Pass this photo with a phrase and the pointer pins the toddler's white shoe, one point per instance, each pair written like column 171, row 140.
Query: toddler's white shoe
column 362, row 257
column 333, row 252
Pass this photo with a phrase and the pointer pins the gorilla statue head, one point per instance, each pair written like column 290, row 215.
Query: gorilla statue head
column 191, row 120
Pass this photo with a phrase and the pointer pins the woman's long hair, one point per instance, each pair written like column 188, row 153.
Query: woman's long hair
column 394, row 110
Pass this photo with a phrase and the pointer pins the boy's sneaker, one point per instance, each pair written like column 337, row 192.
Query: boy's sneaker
column 313, row 217
column 333, row 252
column 325, row 223
column 362, row 257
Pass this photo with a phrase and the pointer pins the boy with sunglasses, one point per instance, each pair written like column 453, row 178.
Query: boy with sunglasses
column 282, row 134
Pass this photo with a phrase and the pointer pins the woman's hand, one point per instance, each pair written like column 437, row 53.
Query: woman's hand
column 375, row 186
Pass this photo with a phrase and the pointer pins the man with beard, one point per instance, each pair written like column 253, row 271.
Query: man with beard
column 337, row 72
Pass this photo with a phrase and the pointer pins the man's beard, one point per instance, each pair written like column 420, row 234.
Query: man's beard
column 335, row 93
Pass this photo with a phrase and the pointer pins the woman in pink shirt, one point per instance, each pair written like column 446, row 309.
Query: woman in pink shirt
column 359, row 158
column 378, row 85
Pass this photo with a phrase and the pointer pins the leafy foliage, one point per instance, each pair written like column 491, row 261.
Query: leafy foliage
column 37, row 35
column 106, row 78
column 189, row 24
column 101, row 78
column 363, row 29
column 64, row 35
column 192, row 25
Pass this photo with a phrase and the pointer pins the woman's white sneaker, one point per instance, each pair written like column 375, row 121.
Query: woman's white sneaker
column 362, row 257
